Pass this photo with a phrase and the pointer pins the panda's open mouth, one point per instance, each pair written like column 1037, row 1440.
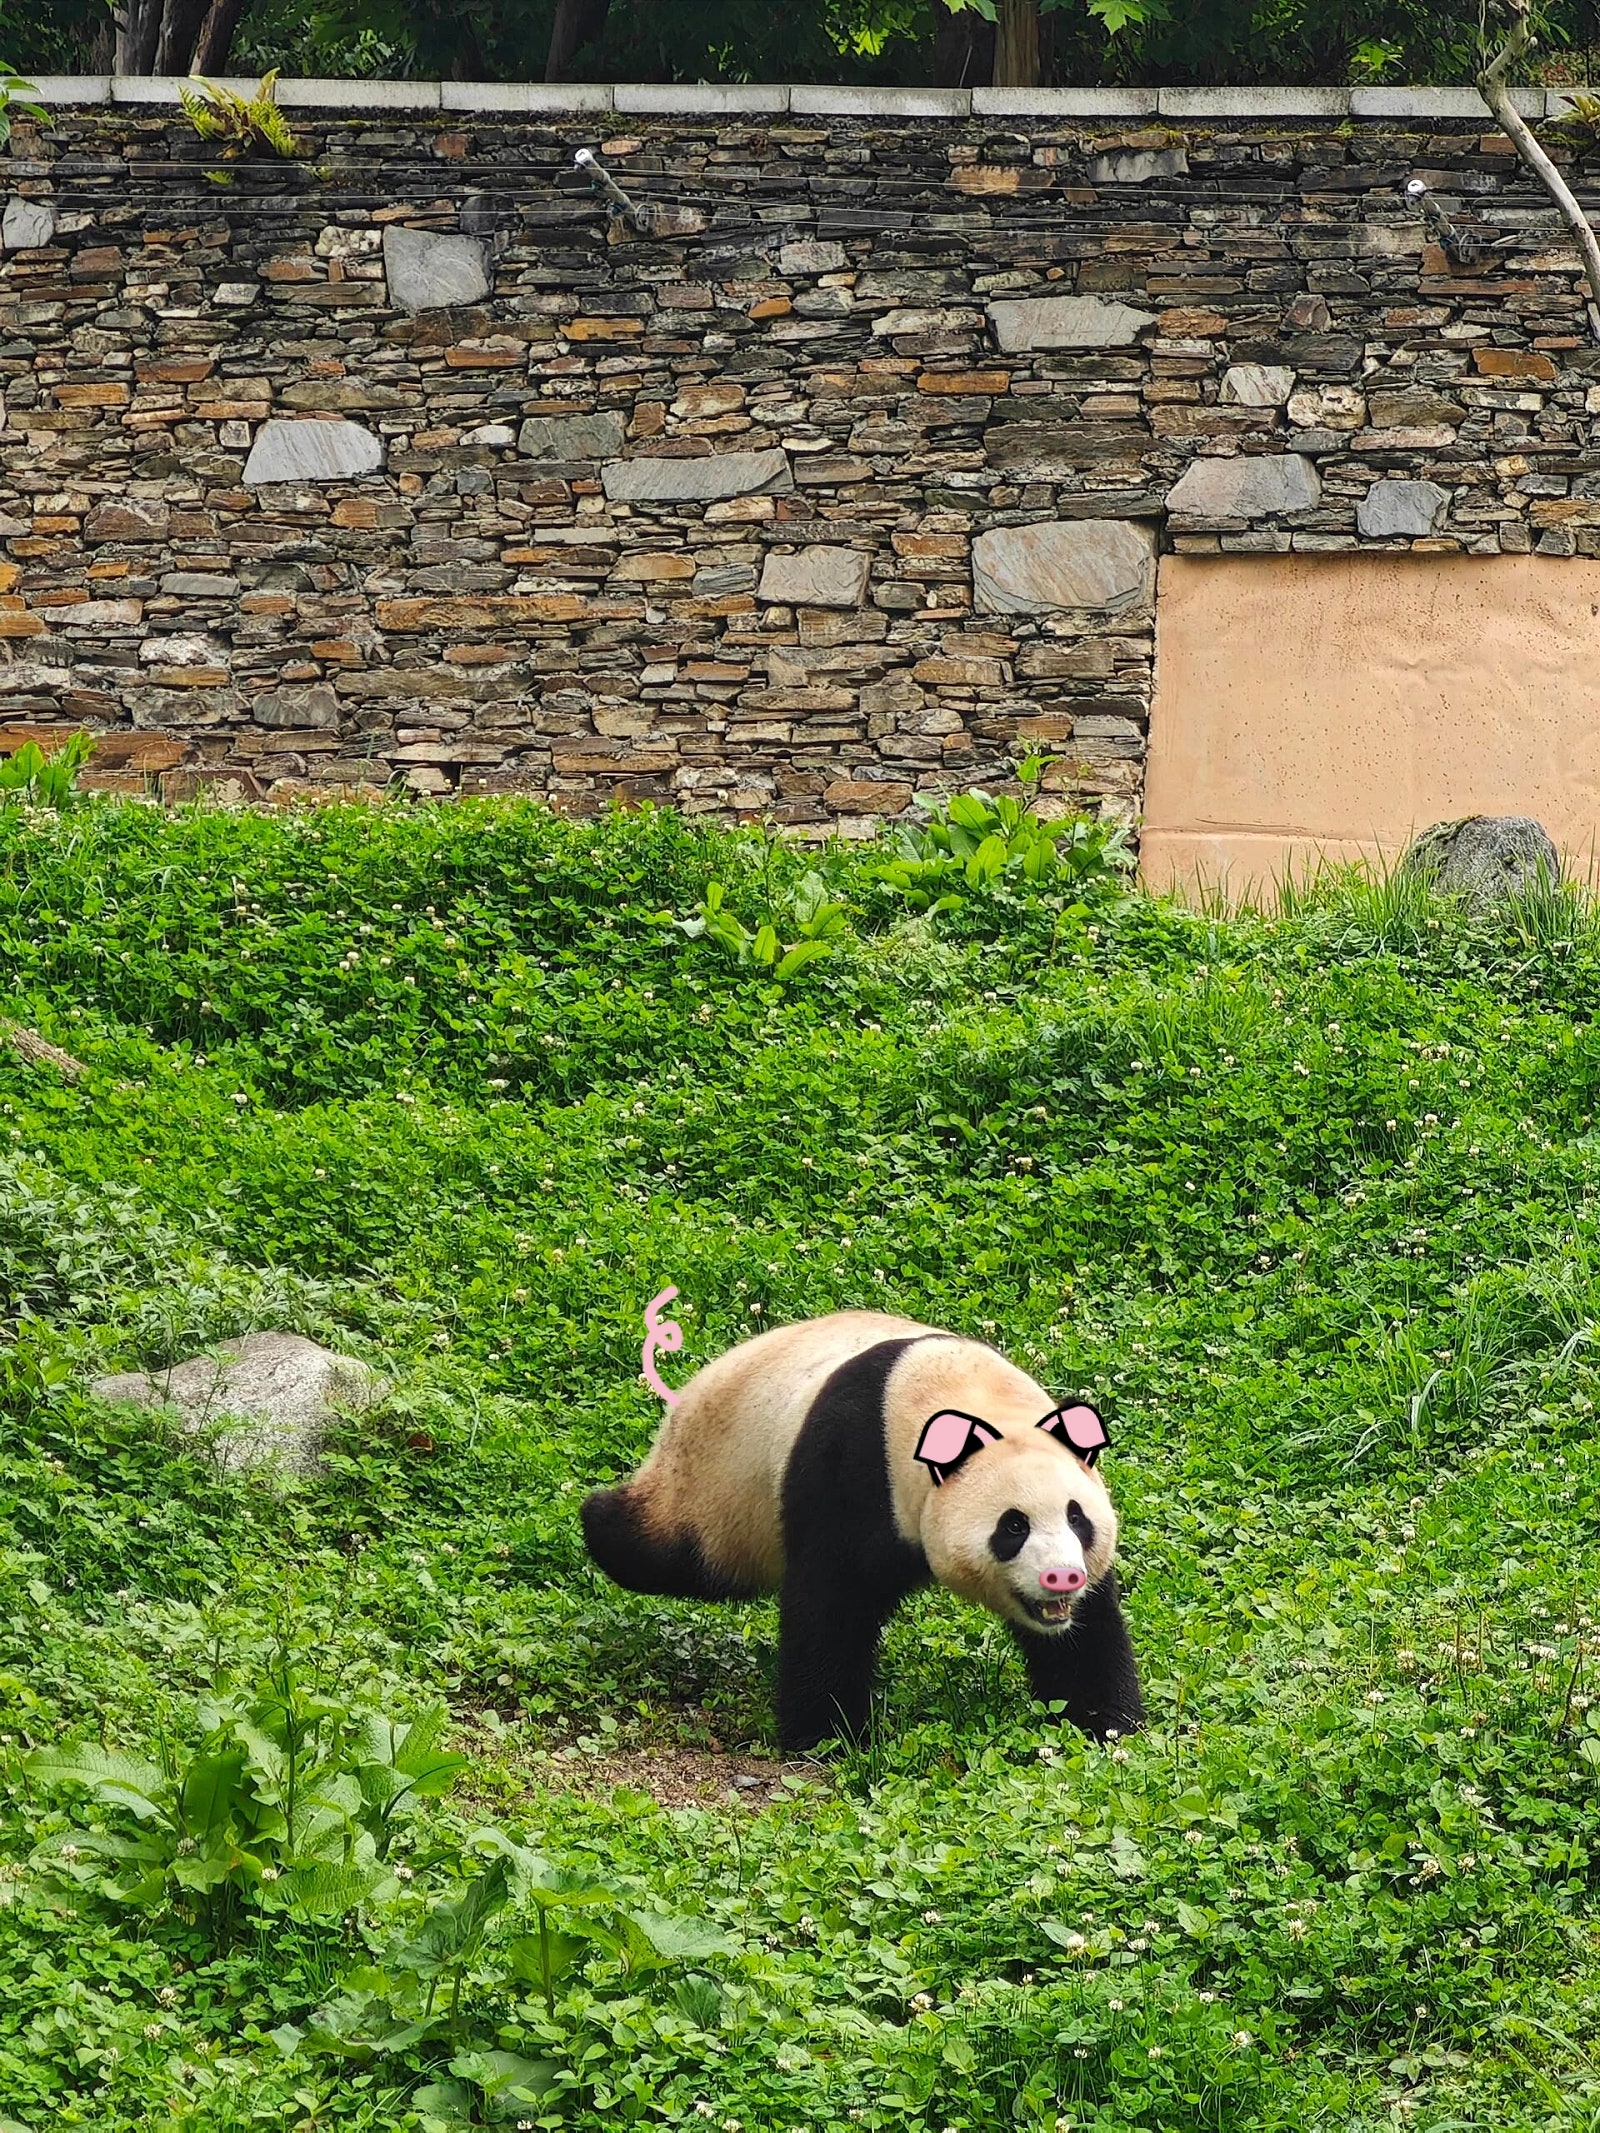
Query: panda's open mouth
column 1052, row 1613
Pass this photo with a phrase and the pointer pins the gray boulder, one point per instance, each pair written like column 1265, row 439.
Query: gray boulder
column 1484, row 858
column 268, row 1398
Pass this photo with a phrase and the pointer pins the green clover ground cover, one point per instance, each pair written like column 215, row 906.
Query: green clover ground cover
column 1311, row 1201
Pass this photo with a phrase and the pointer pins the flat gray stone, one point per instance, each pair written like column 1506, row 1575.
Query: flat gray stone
column 816, row 577
column 1138, row 166
column 310, row 708
column 1246, row 488
column 1086, row 562
column 26, row 224
column 200, row 584
column 1025, row 323
column 312, row 451
column 1257, row 385
column 269, row 1398
column 1400, row 507
column 572, row 436
column 811, row 255
column 1484, row 858
column 430, row 270
column 708, row 480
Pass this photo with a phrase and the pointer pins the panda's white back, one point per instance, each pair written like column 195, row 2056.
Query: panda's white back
column 716, row 1470
column 718, row 1463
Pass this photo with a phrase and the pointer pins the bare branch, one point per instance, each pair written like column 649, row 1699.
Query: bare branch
column 38, row 1051
column 1493, row 88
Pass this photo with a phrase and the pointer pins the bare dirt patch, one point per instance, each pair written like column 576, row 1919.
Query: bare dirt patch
column 672, row 1776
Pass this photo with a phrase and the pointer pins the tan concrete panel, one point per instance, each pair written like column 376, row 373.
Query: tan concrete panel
column 1335, row 705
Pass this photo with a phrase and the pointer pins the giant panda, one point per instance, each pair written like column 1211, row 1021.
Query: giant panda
column 843, row 1461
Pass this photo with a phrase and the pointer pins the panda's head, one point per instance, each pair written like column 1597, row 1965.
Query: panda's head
column 1018, row 1520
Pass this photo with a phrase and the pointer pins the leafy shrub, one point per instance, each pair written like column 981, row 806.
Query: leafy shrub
column 290, row 1801
column 243, row 124
column 971, row 842
column 818, row 919
column 34, row 779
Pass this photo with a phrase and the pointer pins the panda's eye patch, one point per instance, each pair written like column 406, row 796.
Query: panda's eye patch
column 1081, row 1523
column 1007, row 1540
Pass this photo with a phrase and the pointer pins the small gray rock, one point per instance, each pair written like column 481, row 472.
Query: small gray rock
column 816, row 577
column 312, row 451
column 811, row 255
column 1246, row 487
column 306, row 709
column 1484, row 858
column 707, row 480
column 1026, row 323
column 1400, row 507
column 1257, row 385
column 429, row 270
column 26, row 224
column 1138, row 166
column 571, row 436
column 1098, row 563
column 200, row 584
column 273, row 1394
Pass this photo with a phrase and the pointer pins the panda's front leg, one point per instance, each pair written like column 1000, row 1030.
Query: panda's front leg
column 1089, row 1667
column 829, row 1625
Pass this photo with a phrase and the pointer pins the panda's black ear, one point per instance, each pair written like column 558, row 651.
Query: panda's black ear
column 949, row 1439
column 1079, row 1428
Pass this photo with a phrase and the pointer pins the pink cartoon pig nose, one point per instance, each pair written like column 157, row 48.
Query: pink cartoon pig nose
column 1062, row 1577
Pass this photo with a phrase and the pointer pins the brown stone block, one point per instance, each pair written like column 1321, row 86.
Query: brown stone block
column 771, row 307
column 601, row 329
column 984, row 179
column 865, row 796
column 332, row 295
column 174, row 370
column 960, row 673
column 1188, row 323
column 951, row 545
column 1514, row 363
column 32, row 550
column 9, row 575
column 406, row 617
column 496, row 353
column 581, row 763
column 103, row 395
column 963, row 382
column 262, row 603
column 649, row 569
column 190, row 677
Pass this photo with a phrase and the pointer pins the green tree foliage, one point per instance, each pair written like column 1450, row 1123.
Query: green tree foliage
column 1085, row 41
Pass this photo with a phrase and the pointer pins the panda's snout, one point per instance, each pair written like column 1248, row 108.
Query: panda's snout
column 1063, row 1577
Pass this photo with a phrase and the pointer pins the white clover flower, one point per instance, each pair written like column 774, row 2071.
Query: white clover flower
column 1243, row 2039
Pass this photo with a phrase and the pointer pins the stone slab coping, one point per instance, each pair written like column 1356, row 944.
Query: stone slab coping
column 818, row 100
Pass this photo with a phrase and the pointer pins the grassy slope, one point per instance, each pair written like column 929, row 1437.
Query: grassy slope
column 1311, row 1202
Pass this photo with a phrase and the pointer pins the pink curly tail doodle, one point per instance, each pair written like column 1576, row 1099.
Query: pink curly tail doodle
column 667, row 1334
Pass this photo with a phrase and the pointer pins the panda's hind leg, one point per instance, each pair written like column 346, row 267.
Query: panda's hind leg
column 630, row 1550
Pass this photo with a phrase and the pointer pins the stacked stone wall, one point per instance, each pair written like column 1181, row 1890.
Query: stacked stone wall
column 834, row 475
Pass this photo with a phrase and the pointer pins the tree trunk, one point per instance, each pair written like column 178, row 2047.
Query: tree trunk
column 214, row 44
column 578, row 23
column 963, row 49
column 138, row 32
column 180, row 24
column 1016, row 44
